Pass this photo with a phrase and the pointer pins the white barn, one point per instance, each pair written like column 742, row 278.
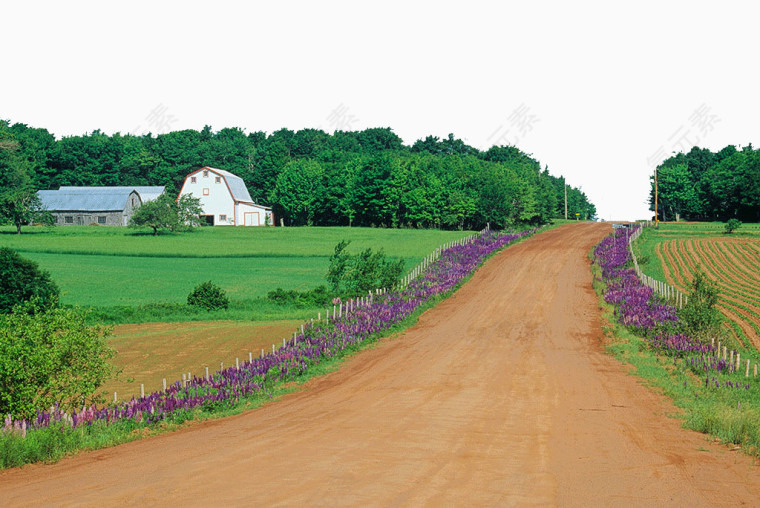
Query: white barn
column 225, row 199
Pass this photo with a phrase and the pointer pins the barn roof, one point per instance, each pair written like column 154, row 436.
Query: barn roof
column 146, row 192
column 235, row 183
column 94, row 199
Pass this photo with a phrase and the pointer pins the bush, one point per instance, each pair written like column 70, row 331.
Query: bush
column 700, row 318
column 21, row 280
column 732, row 225
column 317, row 297
column 355, row 275
column 50, row 356
column 208, row 296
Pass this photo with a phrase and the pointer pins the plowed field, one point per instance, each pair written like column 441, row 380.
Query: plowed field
column 733, row 264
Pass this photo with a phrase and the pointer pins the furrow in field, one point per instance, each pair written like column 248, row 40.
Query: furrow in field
column 731, row 278
column 732, row 307
column 730, row 265
column 690, row 262
column 669, row 259
column 749, row 258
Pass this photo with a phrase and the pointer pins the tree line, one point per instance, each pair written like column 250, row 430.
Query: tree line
column 709, row 186
column 310, row 177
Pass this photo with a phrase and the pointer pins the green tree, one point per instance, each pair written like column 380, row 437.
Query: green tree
column 189, row 210
column 19, row 203
column 161, row 213
column 300, row 190
column 732, row 225
column 49, row 356
column 22, row 280
column 23, row 206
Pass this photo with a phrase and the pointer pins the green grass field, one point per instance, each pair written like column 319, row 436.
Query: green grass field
column 110, row 266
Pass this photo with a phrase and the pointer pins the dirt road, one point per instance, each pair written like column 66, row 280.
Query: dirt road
column 500, row 396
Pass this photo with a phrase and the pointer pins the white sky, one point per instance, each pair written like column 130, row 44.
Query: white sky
column 592, row 89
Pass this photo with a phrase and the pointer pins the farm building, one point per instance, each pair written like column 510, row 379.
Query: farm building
column 225, row 199
column 106, row 206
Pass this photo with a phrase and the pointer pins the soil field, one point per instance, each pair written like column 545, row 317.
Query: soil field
column 149, row 352
column 502, row 395
column 733, row 264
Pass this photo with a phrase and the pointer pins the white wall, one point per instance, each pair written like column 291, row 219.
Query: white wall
column 252, row 215
column 218, row 201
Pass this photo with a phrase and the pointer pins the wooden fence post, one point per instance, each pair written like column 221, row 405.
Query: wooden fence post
column 142, row 390
column 164, row 384
column 207, row 378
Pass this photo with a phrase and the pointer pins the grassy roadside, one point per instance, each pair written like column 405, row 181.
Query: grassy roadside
column 731, row 415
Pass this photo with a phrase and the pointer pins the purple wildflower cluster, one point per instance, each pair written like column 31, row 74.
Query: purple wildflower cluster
column 635, row 304
column 639, row 308
column 358, row 321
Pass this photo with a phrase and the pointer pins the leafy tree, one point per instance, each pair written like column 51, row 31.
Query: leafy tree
column 167, row 213
column 22, row 280
column 19, row 203
column 23, row 206
column 732, row 225
column 189, row 212
column 299, row 190
column 50, row 356
column 209, row 296
column 160, row 213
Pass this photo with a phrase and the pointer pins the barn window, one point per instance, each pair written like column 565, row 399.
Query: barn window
column 101, row 219
column 223, row 218
column 218, row 179
column 68, row 219
column 205, row 191
column 205, row 174
column 192, row 179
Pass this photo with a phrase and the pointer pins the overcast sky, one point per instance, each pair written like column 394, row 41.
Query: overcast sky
column 598, row 91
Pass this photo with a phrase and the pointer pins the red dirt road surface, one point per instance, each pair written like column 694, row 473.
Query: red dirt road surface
column 500, row 396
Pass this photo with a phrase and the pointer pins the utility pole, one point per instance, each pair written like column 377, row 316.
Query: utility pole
column 656, row 213
column 565, row 200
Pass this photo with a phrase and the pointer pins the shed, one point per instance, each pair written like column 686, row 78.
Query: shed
column 105, row 206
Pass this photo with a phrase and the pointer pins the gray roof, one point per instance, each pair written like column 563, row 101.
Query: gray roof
column 236, row 185
column 94, row 199
column 146, row 192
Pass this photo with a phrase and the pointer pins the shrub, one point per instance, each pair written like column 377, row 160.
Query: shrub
column 732, row 225
column 356, row 274
column 21, row 280
column 208, row 296
column 50, row 356
column 699, row 317
column 317, row 297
